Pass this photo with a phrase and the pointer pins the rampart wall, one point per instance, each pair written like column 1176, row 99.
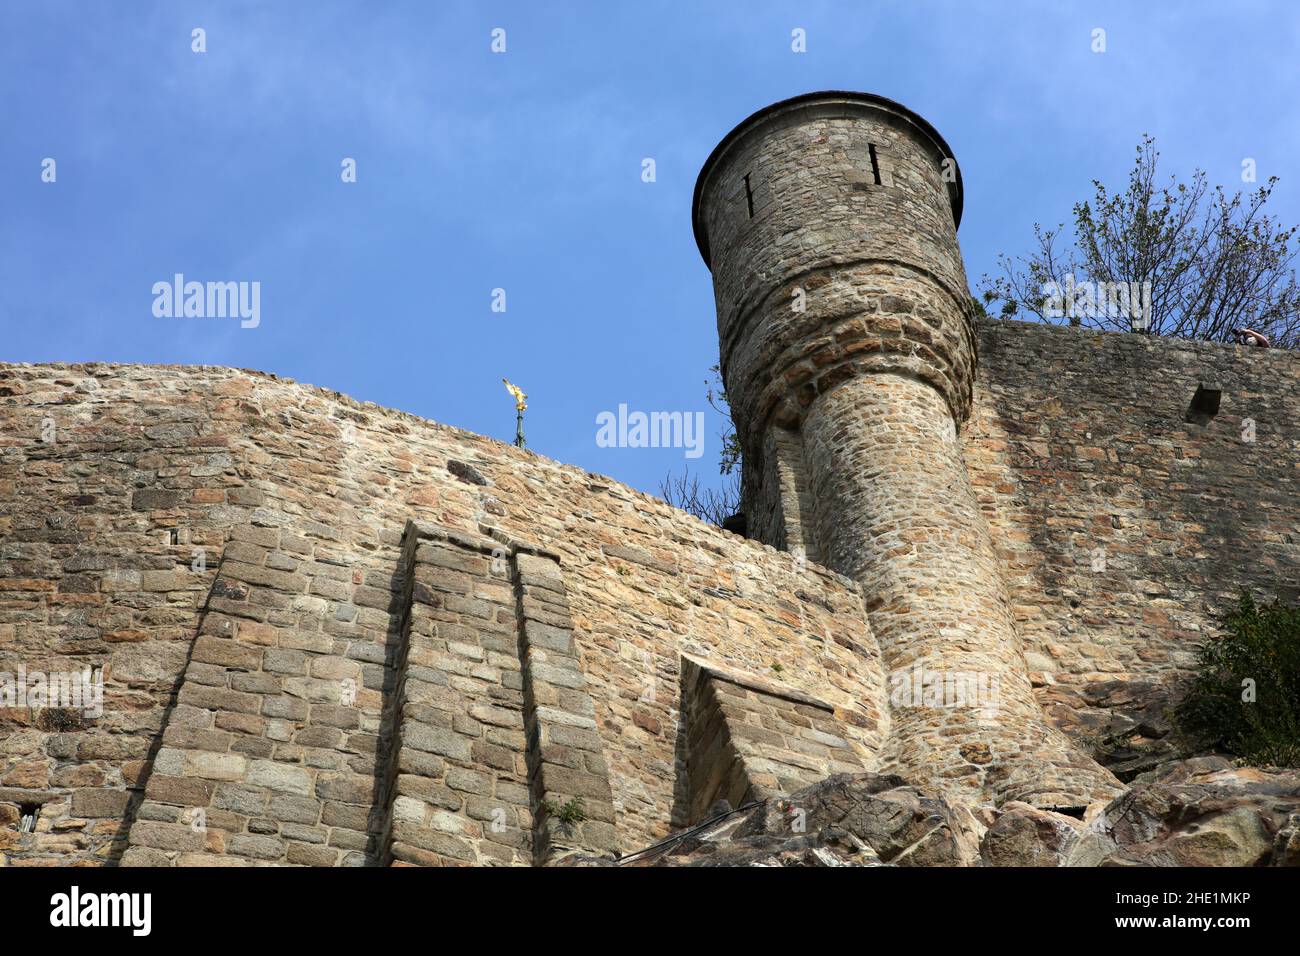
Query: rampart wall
column 283, row 689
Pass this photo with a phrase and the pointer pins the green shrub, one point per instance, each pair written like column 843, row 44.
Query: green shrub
column 1245, row 697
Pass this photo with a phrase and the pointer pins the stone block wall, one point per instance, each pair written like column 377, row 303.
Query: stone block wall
column 112, row 523
column 1124, row 528
column 272, row 752
column 495, row 733
column 460, row 794
column 777, row 499
column 749, row 738
column 845, row 260
column 897, row 513
column 568, row 773
column 313, row 494
column 845, row 324
column 225, row 676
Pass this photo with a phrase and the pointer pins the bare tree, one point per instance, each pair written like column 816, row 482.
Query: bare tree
column 1208, row 266
column 684, row 491
column 713, row 505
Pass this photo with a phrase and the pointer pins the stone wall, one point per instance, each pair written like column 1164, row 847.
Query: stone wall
column 1126, row 523
column 226, row 676
column 750, row 739
column 899, row 515
column 241, row 557
column 495, row 733
column 272, row 749
column 460, row 777
column 115, row 504
column 829, row 222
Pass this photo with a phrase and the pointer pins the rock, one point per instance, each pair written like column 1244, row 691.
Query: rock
column 1286, row 846
column 1236, row 837
column 1027, row 836
column 466, row 472
column 100, row 803
column 1185, row 769
column 148, row 662
column 862, row 819
column 150, row 499
column 1124, row 725
column 1199, row 812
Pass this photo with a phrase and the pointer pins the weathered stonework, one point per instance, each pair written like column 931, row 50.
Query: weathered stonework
column 846, row 331
column 224, row 687
column 749, row 739
column 566, row 761
column 460, row 777
column 334, row 634
column 1124, row 529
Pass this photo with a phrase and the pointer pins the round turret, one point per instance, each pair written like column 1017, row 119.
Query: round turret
column 848, row 356
column 830, row 224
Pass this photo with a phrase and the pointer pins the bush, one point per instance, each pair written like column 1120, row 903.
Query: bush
column 1245, row 697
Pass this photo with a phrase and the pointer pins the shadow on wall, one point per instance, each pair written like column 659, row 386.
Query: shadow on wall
column 1142, row 525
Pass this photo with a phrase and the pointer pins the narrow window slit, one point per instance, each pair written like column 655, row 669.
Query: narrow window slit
column 875, row 163
column 749, row 197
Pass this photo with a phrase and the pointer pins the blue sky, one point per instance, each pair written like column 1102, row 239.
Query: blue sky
column 522, row 171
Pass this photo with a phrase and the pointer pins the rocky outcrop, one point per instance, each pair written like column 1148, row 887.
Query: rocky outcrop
column 863, row 819
column 1124, row 724
column 1200, row 812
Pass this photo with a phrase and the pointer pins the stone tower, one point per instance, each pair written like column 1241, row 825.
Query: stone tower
column 848, row 353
